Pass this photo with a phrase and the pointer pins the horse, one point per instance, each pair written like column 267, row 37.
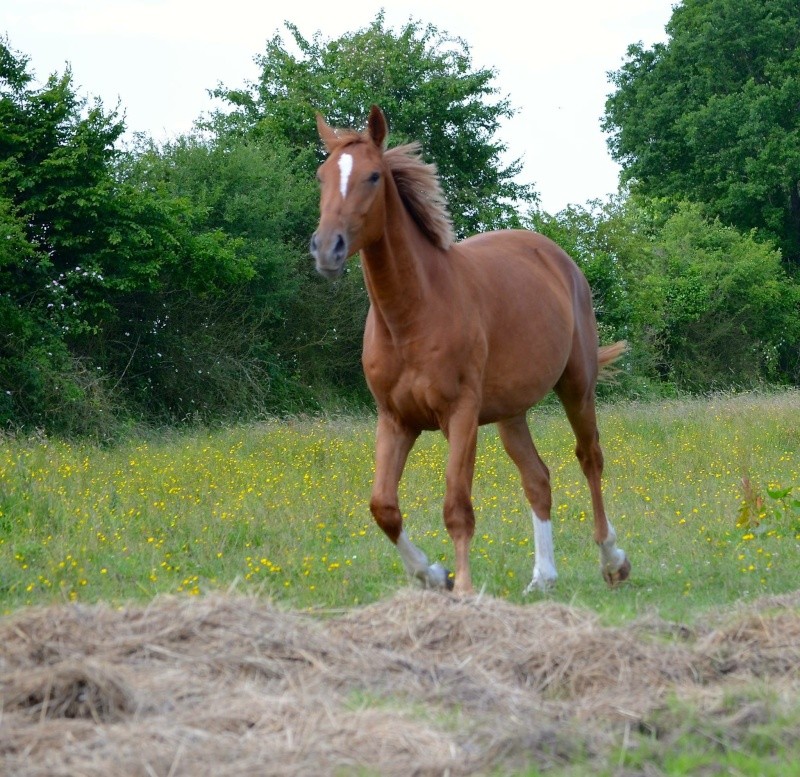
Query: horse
column 460, row 334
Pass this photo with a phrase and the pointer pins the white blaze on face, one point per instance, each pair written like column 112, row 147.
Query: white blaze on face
column 345, row 167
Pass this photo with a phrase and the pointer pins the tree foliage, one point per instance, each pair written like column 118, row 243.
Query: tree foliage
column 86, row 249
column 713, row 115
column 717, row 306
column 170, row 282
column 54, row 198
column 702, row 305
column 425, row 82
column 250, row 336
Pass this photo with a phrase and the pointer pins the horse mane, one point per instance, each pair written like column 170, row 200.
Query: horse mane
column 421, row 191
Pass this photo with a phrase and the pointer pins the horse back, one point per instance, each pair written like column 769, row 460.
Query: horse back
column 535, row 307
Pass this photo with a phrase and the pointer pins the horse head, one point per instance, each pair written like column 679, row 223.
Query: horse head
column 352, row 181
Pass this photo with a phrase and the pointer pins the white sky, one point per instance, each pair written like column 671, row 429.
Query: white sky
column 159, row 58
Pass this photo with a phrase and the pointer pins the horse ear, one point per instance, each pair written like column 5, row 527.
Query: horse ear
column 377, row 127
column 327, row 134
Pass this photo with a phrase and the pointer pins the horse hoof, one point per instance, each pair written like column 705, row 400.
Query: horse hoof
column 540, row 585
column 622, row 574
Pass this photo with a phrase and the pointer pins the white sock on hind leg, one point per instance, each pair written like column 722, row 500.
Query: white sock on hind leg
column 611, row 556
column 544, row 566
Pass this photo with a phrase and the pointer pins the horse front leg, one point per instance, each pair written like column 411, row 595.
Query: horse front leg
column 393, row 442
column 459, row 517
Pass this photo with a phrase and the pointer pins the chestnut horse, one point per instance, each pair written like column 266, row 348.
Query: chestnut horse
column 459, row 335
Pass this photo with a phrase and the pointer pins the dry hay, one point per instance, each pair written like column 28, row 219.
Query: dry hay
column 418, row 684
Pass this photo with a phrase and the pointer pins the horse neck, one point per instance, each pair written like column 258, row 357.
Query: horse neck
column 402, row 270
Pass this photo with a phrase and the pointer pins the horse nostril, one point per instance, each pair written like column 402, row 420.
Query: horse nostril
column 339, row 249
column 313, row 246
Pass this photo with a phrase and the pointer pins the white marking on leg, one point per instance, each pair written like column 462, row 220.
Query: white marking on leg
column 416, row 564
column 544, row 566
column 345, row 168
column 611, row 557
column 414, row 559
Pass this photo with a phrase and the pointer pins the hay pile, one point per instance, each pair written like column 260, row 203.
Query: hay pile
column 419, row 684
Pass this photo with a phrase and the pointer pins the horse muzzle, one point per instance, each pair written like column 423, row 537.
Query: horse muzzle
column 330, row 253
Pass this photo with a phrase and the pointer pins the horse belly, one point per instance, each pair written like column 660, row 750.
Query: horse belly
column 512, row 387
column 530, row 342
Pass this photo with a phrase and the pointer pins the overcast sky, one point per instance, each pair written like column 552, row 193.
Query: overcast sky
column 158, row 58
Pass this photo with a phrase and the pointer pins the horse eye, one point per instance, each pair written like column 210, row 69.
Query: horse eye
column 375, row 177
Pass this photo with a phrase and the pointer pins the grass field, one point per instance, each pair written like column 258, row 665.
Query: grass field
column 696, row 490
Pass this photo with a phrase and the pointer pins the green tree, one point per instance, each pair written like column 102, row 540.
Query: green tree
column 82, row 248
column 228, row 346
column 712, row 115
column 424, row 81
column 54, row 157
column 701, row 305
column 720, row 306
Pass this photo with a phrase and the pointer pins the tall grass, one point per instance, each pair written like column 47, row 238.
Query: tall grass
column 282, row 508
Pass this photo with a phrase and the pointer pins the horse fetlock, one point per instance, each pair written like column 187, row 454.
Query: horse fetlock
column 544, row 565
column 611, row 556
column 614, row 563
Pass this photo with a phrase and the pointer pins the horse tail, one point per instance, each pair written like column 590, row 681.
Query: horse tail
column 606, row 356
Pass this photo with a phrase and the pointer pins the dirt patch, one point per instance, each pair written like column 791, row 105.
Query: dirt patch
column 418, row 684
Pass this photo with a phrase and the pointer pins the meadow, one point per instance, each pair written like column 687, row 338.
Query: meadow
column 703, row 493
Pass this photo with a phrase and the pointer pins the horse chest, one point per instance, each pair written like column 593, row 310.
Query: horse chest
column 415, row 384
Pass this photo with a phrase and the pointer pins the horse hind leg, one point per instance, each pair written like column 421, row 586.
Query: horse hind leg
column 517, row 441
column 580, row 409
column 614, row 564
column 392, row 446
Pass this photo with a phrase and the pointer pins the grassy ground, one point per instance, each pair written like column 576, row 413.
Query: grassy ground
column 281, row 508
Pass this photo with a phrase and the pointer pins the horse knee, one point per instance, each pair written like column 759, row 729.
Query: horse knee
column 387, row 516
column 459, row 517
